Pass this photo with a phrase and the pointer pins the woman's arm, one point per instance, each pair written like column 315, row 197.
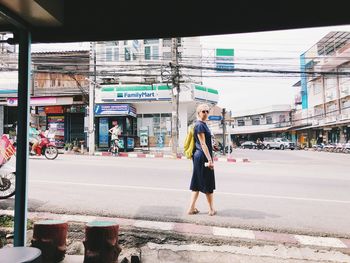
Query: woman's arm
column 205, row 149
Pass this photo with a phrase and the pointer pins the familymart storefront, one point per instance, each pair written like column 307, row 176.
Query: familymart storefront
column 144, row 112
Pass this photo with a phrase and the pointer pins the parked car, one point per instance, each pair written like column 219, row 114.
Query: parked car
column 249, row 145
column 279, row 143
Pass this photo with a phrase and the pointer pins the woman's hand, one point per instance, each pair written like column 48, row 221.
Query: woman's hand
column 211, row 164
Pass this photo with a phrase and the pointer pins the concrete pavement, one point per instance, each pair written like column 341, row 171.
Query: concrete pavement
column 201, row 243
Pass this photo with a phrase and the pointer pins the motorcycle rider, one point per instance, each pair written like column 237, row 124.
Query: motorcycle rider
column 34, row 138
column 259, row 144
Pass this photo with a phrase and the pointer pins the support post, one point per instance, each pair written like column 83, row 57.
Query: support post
column 223, row 131
column 92, row 87
column 20, row 224
column 175, row 97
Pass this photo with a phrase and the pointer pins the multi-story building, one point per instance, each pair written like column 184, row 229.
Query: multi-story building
column 59, row 93
column 325, row 91
column 267, row 122
column 133, row 73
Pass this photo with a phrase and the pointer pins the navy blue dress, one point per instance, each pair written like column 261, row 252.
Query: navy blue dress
column 203, row 178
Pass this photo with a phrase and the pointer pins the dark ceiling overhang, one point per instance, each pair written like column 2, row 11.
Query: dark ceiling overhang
column 81, row 20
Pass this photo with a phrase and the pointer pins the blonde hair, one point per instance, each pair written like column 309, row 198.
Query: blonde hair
column 201, row 107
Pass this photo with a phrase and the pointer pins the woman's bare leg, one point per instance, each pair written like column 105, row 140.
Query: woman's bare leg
column 211, row 204
column 194, row 197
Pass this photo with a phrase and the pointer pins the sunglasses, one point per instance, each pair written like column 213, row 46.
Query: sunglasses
column 205, row 111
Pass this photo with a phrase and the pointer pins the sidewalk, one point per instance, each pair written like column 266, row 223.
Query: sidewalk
column 192, row 229
column 160, row 242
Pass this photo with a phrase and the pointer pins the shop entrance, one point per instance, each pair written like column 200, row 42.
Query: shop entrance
column 127, row 125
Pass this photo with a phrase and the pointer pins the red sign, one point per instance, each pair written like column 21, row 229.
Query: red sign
column 53, row 109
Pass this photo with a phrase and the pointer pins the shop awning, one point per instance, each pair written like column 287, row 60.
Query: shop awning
column 248, row 131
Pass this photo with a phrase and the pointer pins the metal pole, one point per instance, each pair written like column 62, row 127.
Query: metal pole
column 92, row 87
column 20, row 224
column 229, row 136
column 175, row 97
column 223, row 130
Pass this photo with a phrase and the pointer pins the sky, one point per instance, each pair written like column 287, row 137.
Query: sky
column 277, row 50
column 264, row 50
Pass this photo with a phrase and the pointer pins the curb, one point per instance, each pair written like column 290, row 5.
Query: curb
column 195, row 229
column 169, row 156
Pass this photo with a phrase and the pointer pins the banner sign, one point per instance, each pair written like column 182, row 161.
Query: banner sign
column 115, row 109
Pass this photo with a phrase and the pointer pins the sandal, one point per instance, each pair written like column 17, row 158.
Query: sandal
column 193, row 212
column 211, row 213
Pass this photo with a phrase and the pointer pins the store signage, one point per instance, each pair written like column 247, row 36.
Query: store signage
column 224, row 59
column 214, row 118
column 205, row 94
column 133, row 92
column 144, row 95
column 41, row 101
column 115, row 109
column 53, row 109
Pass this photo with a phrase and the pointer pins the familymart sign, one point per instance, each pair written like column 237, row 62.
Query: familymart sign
column 135, row 93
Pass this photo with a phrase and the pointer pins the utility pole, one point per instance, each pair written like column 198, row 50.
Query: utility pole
column 229, row 136
column 92, row 87
column 223, row 130
column 175, row 96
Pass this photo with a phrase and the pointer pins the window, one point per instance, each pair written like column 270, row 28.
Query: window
column 151, row 49
column 240, row 122
column 112, row 54
column 109, row 54
column 125, row 42
column 166, row 42
column 256, row 121
column 116, row 54
column 167, row 55
column 316, row 88
column 147, row 53
column 268, row 120
column 282, row 118
column 330, row 82
column 127, row 55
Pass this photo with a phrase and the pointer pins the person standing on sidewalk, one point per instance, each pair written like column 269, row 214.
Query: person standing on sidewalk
column 203, row 179
column 115, row 132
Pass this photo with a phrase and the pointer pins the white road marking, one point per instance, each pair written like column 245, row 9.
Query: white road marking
column 132, row 187
column 320, row 241
column 154, row 225
column 233, row 232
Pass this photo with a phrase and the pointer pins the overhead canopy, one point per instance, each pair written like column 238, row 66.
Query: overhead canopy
column 81, row 20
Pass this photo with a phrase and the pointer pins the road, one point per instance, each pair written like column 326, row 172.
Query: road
column 287, row 191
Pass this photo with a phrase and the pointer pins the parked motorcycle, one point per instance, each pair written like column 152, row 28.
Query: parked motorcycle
column 46, row 148
column 7, row 168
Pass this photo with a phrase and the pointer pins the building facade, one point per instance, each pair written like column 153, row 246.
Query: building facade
column 135, row 89
column 324, row 115
column 59, row 94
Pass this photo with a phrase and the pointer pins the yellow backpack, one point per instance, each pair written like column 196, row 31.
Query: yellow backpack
column 189, row 142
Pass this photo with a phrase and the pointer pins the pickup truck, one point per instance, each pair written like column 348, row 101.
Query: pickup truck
column 279, row 143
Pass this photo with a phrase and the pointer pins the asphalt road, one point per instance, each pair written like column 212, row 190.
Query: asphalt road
column 288, row 191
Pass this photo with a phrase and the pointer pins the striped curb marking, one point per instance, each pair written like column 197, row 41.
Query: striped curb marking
column 233, row 232
column 320, row 241
column 190, row 229
column 168, row 156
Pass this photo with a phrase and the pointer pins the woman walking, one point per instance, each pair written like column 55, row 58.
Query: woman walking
column 203, row 179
